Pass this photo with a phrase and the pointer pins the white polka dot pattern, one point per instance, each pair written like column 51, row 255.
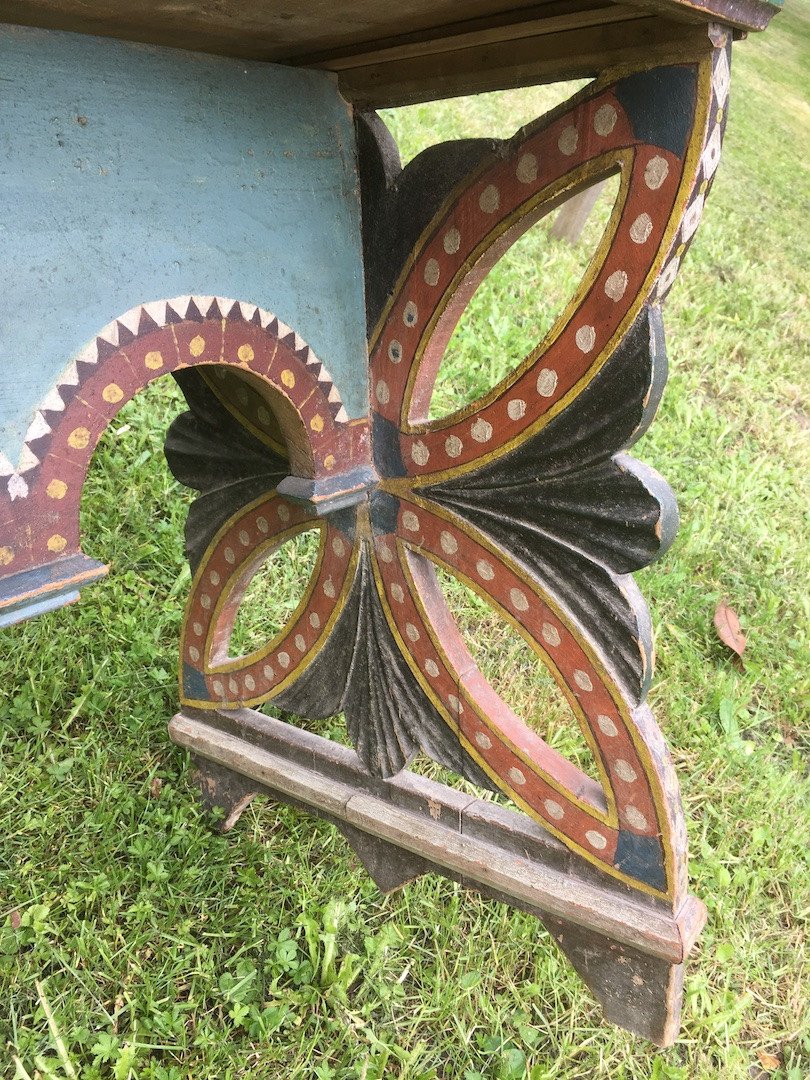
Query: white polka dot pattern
column 568, row 140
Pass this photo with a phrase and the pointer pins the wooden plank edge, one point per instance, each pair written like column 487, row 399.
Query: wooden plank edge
column 45, row 588
column 740, row 14
column 636, row 43
column 448, row 39
column 631, row 922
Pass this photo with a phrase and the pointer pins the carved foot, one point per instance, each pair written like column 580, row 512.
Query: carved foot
column 630, row 951
column 388, row 866
column 636, row 991
column 222, row 789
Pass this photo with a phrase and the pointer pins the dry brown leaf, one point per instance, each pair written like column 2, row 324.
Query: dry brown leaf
column 155, row 787
column 15, row 920
column 768, row 1061
column 728, row 628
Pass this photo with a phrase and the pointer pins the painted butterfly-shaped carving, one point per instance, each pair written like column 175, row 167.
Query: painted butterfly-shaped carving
column 526, row 495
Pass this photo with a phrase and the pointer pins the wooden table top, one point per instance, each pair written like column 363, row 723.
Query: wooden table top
column 388, row 53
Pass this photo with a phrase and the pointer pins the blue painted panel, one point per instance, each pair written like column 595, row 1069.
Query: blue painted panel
column 131, row 173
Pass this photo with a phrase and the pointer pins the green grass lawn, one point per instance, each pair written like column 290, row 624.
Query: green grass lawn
column 159, row 950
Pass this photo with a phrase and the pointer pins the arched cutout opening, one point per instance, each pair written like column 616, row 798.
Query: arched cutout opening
column 131, row 458
column 132, row 514
column 516, row 305
column 128, row 489
column 145, row 343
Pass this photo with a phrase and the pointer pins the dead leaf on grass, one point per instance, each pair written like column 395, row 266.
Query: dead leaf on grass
column 728, row 628
column 768, row 1061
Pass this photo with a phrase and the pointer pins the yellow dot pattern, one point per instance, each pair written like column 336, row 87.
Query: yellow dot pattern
column 316, row 423
column 57, row 489
column 245, row 353
column 197, row 345
column 79, row 438
column 112, row 393
column 153, row 360
column 329, row 461
column 6, row 556
column 57, row 543
column 288, row 378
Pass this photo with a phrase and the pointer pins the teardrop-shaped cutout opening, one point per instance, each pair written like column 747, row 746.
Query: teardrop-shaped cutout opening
column 332, row 727
column 521, row 298
column 494, row 115
column 274, row 593
column 516, row 672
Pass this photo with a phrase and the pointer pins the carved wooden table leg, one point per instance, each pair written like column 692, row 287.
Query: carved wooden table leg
column 527, row 495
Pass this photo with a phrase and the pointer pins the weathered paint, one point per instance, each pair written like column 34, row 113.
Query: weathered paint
column 526, row 495
column 328, row 455
column 137, row 173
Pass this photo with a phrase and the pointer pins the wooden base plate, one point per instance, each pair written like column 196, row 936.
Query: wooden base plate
column 628, row 948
